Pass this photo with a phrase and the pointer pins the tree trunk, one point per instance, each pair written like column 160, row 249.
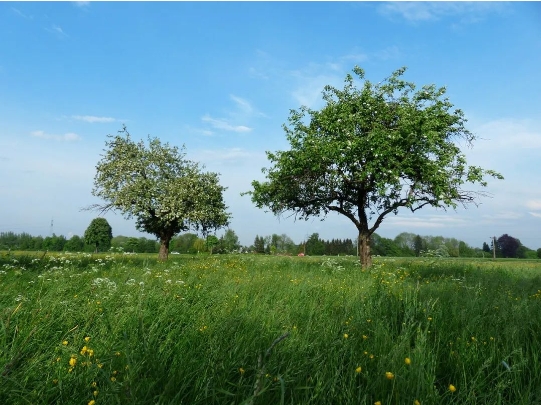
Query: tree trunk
column 363, row 246
column 164, row 247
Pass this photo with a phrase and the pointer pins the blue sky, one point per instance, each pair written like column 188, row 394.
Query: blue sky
column 220, row 78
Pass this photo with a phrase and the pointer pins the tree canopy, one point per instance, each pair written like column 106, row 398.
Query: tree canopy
column 369, row 151
column 159, row 187
column 99, row 234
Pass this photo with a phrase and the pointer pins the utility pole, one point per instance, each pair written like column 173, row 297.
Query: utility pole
column 51, row 232
column 494, row 247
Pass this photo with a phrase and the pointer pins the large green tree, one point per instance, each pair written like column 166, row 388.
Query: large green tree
column 159, row 187
column 369, row 151
column 99, row 234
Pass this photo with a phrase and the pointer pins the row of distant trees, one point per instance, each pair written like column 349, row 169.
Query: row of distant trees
column 98, row 237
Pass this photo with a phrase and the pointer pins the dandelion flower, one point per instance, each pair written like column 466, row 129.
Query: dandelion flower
column 87, row 339
column 73, row 362
column 65, row 342
column 389, row 375
column 358, row 369
column 113, row 379
column 346, row 335
column 452, row 388
column 407, row 360
column 365, row 337
column 377, row 403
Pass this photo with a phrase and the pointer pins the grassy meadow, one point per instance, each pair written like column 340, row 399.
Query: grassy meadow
column 246, row 329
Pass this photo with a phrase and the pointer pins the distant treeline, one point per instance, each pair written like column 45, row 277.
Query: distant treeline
column 403, row 245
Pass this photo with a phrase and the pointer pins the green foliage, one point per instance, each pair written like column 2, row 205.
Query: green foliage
column 75, row 244
column 229, row 241
column 99, row 235
column 184, row 243
column 211, row 241
column 539, row 253
column 259, row 244
column 159, row 187
column 370, row 151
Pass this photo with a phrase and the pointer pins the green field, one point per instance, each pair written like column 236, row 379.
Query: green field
column 247, row 329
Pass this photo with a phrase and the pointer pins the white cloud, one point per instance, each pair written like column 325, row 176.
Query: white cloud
column 68, row 137
column 534, row 204
column 227, row 154
column 536, row 214
column 310, row 87
column 82, row 4
column 420, row 221
column 224, row 124
column 20, row 13
column 504, row 215
column 433, row 11
column 93, row 119
column 508, row 133
column 57, row 30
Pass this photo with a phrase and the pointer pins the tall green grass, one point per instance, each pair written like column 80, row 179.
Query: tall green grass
column 268, row 330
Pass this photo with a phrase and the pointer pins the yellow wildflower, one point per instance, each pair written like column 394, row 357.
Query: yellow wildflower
column 84, row 350
column 407, row 360
column 113, row 379
column 346, row 335
column 96, row 392
column 452, row 388
column 416, row 402
column 389, row 375
column 358, row 369
column 242, row 371
column 87, row 339
column 377, row 403
column 73, row 361
column 65, row 342
column 91, row 402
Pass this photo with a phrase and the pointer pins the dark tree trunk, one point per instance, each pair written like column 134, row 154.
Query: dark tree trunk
column 164, row 247
column 363, row 246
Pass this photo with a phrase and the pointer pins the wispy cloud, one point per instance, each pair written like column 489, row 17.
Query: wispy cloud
column 21, row 14
column 510, row 133
column 534, row 204
column 82, row 4
column 220, row 123
column 535, row 214
column 58, row 31
column 68, row 137
column 246, row 109
column 226, row 154
column 243, row 111
column 468, row 12
column 504, row 215
column 92, row 119
column 426, row 221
